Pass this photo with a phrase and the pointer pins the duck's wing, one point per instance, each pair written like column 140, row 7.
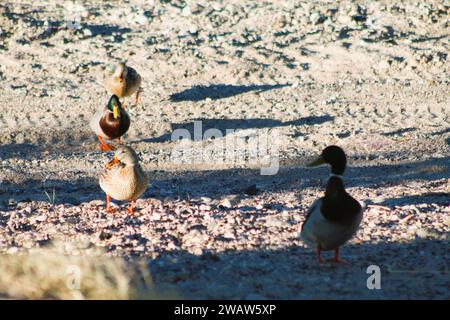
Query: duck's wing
column 133, row 81
column 94, row 123
column 308, row 232
column 313, row 208
column 363, row 205
column 125, row 122
column 141, row 181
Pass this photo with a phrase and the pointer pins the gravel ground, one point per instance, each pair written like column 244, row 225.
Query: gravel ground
column 370, row 77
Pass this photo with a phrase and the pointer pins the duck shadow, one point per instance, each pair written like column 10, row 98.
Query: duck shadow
column 398, row 132
column 220, row 91
column 227, row 126
column 426, row 38
column 105, row 30
column 388, row 35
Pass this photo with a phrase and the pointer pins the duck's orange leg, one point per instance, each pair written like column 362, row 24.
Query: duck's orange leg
column 138, row 95
column 131, row 208
column 319, row 258
column 104, row 146
column 108, row 203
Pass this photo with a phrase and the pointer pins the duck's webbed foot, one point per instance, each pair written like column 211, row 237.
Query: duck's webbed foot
column 104, row 146
column 337, row 260
column 131, row 208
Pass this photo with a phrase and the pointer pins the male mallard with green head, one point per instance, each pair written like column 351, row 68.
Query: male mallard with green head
column 123, row 178
column 111, row 122
column 333, row 219
column 124, row 81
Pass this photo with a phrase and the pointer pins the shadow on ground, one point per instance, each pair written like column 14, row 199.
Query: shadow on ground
column 226, row 126
column 423, row 198
column 17, row 150
column 293, row 273
column 220, row 91
column 106, row 30
column 60, row 142
column 216, row 184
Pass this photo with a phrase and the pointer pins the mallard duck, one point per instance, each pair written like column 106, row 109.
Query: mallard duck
column 333, row 219
column 111, row 122
column 123, row 178
column 124, row 81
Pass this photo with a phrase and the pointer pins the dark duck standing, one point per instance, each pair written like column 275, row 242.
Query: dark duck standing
column 111, row 122
column 333, row 219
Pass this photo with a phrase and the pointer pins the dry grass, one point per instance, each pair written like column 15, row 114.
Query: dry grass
column 51, row 273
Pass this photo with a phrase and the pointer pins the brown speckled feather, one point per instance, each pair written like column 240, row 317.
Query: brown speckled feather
column 129, row 86
column 124, row 182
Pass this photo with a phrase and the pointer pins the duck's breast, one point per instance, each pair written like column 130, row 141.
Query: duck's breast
column 123, row 183
column 318, row 231
column 115, row 128
column 118, row 183
column 114, row 86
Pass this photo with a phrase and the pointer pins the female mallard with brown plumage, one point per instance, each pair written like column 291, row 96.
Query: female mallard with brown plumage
column 124, row 81
column 111, row 122
column 333, row 219
column 123, row 178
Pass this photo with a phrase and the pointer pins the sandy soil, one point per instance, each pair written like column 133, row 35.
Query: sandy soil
column 372, row 77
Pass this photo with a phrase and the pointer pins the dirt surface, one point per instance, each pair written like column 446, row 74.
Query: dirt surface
column 372, row 77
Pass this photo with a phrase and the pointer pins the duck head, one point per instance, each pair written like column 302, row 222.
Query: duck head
column 121, row 72
column 114, row 106
column 125, row 155
column 335, row 157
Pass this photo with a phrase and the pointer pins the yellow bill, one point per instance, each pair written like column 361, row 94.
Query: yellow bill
column 116, row 111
